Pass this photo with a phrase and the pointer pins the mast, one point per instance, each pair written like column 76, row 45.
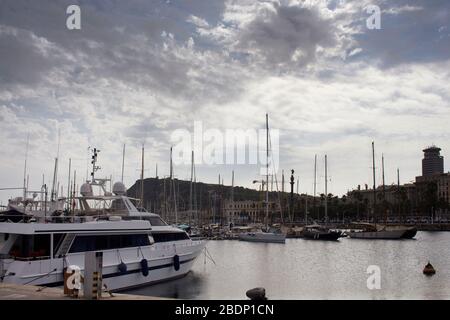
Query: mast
column 374, row 183
column 398, row 189
column 326, row 191
column 190, row 189
column 171, row 168
column 232, row 198
column 384, row 188
column 73, row 204
column 291, row 198
column 69, row 184
column 53, row 192
column 25, row 169
column 267, row 169
column 315, row 182
column 382, row 171
column 123, row 161
column 142, row 178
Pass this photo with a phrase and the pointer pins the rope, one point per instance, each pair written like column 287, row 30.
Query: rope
column 44, row 275
column 209, row 255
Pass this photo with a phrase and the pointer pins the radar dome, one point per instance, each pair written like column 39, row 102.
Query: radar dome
column 119, row 189
column 86, row 190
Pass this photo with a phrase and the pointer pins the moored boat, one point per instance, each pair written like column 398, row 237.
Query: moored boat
column 374, row 231
column 318, row 232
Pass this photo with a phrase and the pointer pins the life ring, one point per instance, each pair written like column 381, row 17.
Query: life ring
column 144, row 267
column 122, row 267
column 176, row 262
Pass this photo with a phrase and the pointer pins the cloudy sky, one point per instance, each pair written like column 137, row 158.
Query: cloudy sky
column 139, row 70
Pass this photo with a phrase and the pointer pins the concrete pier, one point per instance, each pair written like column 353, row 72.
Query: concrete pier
column 26, row 292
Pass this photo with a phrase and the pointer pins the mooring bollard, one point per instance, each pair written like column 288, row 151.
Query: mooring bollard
column 257, row 294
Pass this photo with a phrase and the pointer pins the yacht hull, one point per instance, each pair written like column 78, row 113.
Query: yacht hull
column 331, row 236
column 160, row 269
column 386, row 234
column 263, row 237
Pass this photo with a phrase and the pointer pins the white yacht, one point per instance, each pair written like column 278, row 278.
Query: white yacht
column 138, row 247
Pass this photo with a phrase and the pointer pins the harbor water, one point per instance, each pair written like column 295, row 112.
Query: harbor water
column 309, row 269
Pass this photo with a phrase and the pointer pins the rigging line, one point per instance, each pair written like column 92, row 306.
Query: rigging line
column 41, row 276
column 209, row 255
column 276, row 180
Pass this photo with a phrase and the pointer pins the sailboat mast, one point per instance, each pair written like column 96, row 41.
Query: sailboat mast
column 142, row 178
column 267, row 168
column 374, row 183
column 69, row 184
column 123, row 161
column 398, row 190
column 190, row 189
column 315, row 182
column 25, row 169
column 382, row 170
column 232, row 198
column 326, row 191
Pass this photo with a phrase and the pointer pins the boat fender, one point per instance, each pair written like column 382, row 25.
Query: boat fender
column 144, row 267
column 122, row 268
column 176, row 262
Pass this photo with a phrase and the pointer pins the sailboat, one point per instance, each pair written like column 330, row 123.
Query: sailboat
column 316, row 231
column 380, row 231
column 265, row 235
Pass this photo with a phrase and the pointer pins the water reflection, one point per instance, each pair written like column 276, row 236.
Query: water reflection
column 303, row 269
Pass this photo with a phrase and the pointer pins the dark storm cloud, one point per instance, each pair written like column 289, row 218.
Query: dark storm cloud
column 286, row 34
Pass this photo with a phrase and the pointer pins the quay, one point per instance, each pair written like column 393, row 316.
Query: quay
column 27, row 292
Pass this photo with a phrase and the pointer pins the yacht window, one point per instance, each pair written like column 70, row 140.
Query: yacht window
column 31, row 246
column 157, row 221
column 57, row 241
column 107, row 242
column 118, row 204
column 170, row 236
column 3, row 238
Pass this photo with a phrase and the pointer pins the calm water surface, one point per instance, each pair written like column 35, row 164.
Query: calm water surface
column 308, row 269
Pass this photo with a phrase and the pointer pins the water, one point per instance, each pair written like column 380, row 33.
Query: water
column 308, row 269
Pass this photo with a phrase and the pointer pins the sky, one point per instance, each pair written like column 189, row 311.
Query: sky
column 139, row 70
